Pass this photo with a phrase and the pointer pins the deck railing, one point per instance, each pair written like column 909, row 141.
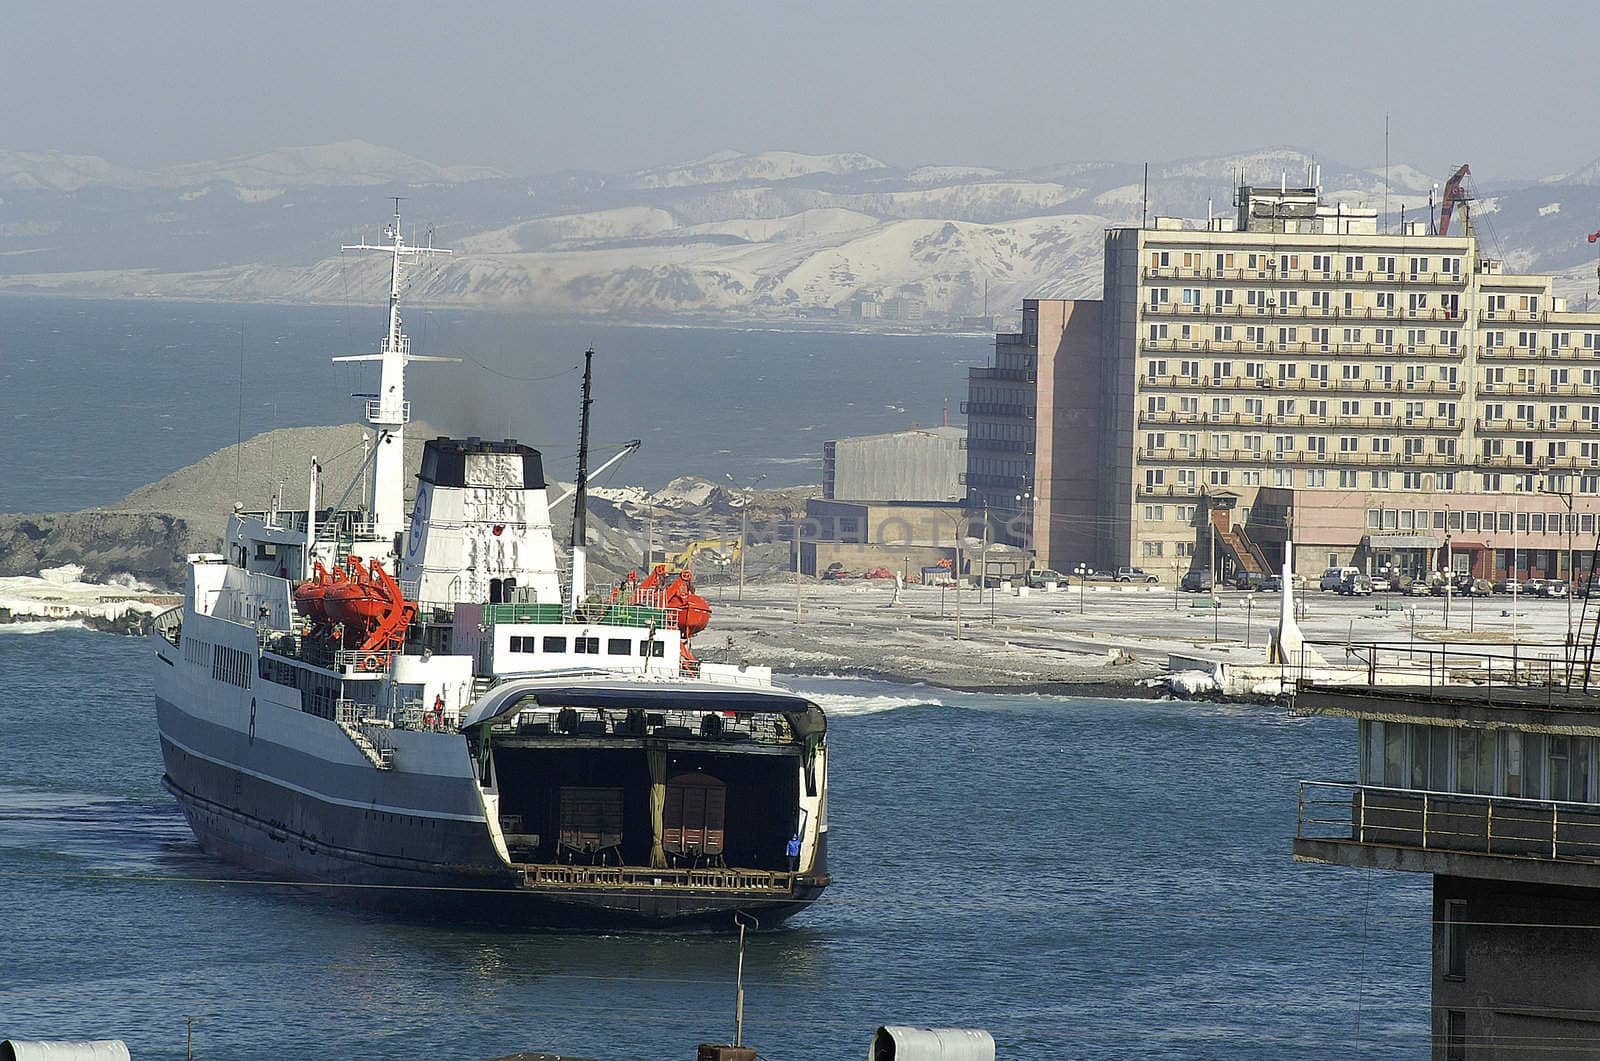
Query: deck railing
column 1449, row 821
column 745, row 880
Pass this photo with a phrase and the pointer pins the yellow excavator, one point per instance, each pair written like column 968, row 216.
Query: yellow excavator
column 727, row 549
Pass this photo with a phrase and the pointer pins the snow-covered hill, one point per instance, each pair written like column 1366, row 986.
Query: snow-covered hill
column 771, row 235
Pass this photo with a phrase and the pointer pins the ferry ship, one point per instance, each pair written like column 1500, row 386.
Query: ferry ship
column 405, row 707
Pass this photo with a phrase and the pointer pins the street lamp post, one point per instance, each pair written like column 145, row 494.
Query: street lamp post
column 1082, row 571
column 1566, row 499
column 744, row 524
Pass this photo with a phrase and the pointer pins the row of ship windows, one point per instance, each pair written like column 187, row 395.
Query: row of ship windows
column 230, row 665
column 589, row 646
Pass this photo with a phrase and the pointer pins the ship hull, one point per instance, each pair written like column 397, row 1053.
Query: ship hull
column 368, row 843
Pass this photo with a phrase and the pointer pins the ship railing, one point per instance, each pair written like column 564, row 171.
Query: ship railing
column 169, row 624
column 1509, row 826
column 710, row 726
column 370, row 662
column 742, row 880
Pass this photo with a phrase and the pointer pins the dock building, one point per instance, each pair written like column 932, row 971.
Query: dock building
column 1486, row 779
column 1381, row 391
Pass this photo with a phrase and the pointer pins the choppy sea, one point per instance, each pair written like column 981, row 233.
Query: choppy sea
column 1085, row 878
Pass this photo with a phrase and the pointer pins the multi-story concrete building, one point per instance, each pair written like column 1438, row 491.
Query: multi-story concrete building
column 1489, row 784
column 1395, row 375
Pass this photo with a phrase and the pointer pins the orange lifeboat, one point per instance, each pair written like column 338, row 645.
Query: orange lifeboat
column 308, row 595
column 371, row 607
column 357, row 602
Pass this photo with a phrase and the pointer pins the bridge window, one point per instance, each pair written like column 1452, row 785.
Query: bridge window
column 619, row 646
column 586, row 646
column 555, row 644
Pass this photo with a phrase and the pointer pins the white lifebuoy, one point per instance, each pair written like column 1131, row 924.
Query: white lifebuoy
column 372, row 662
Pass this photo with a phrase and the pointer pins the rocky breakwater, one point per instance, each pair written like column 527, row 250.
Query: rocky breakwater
column 102, row 545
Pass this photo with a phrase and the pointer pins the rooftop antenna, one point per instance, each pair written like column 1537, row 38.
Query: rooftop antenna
column 947, row 412
column 1386, row 169
column 1144, row 203
column 580, row 503
column 388, row 412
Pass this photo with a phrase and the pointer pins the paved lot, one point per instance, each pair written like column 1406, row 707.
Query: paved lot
column 1104, row 634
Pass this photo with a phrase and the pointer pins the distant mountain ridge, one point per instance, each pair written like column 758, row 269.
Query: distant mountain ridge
column 774, row 235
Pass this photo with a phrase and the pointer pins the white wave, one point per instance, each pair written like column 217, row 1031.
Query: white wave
column 41, row 626
column 851, row 705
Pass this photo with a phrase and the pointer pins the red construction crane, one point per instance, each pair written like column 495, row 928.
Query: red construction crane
column 1453, row 195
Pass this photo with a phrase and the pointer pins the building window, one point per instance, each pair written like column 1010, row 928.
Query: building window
column 1455, row 1035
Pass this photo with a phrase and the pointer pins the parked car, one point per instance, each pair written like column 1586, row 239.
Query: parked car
column 1248, row 580
column 1333, row 577
column 1356, row 585
column 1419, row 587
column 1272, row 584
column 1554, row 587
column 1533, row 587
column 1198, row 581
column 1136, row 574
column 1037, row 578
column 1381, row 584
column 1507, row 585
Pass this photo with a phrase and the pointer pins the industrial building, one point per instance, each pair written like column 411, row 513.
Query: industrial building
column 892, row 501
column 1391, row 389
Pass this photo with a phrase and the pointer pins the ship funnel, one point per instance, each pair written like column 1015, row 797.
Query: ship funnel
column 480, row 526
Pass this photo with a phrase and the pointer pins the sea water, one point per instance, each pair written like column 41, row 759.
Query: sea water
column 1083, row 877
column 102, row 397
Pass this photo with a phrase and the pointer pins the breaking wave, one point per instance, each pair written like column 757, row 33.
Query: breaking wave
column 41, row 626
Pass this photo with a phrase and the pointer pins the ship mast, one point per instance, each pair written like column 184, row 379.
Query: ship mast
column 388, row 412
column 580, row 504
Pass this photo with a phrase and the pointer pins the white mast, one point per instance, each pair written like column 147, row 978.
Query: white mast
column 389, row 412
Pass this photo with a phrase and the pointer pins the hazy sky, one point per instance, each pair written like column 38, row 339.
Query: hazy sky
column 538, row 87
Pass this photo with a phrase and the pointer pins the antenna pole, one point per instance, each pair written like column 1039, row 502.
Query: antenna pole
column 1144, row 202
column 580, row 505
column 388, row 411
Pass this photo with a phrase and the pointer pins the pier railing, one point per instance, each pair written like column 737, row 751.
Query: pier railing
column 1449, row 821
column 1519, row 673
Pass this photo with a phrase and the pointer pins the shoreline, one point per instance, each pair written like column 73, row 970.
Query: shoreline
column 685, row 322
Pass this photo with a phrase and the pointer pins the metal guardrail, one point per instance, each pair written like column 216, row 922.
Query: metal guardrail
column 1444, row 671
column 1449, row 821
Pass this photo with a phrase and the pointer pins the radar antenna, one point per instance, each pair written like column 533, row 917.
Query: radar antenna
column 388, row 411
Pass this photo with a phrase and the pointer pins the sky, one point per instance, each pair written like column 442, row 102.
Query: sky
column 539, row 87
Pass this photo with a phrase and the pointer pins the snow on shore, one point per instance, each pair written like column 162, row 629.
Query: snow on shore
column 58, row 596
